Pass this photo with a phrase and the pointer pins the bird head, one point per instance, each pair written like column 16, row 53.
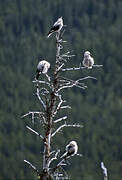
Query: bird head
column 60, row 19
column 87, row 53
column 73, row 143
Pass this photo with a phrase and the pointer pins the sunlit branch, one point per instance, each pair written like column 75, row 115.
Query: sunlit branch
column 31, row 112
column 66, row 125
column 95, row 65
column 33, row 115
column 75, row 83
column 69, row 82
column 60, row 67
column 52, row 152
column 32, row 166
column 59, row 105
column 64, row 107
column 88, row 77
column 60, row 119
column 35, row 132
column 41, row 82
column 48, row 77
column 54, row 158
column 78, row 68
column 61, row 163
column 41, row 101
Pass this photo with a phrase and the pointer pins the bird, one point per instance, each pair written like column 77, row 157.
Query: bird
column 56, row 27
column 88, row 61
column 71, row 150
column 42, row 67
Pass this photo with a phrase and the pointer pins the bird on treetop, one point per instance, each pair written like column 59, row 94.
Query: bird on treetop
column 56, row 27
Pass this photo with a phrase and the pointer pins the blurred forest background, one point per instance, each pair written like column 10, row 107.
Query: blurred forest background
column 91, row 25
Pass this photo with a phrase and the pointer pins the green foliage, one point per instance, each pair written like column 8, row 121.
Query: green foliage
column 91, row 25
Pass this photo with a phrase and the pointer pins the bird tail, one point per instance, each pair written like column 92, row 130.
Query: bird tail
column 50, row 33
column 37, row 75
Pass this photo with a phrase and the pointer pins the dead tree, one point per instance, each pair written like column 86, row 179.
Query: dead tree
column 105, row 173
column 49, row 94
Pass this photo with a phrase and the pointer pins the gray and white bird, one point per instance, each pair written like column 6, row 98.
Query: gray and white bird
column 88, row 61
column 71, row 150
column 56, row 27
column 42, row 67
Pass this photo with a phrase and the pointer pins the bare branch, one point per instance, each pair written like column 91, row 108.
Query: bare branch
column 95, row 65
column 61, row 173
column 60, row 119
column 59, row 105
column 66, row 125
column 88, row 77
column 70, row 83
column 73, row 83
column 60, row 67
column 81, row 79
column 40, row 115
column 52, row 152
column 41, row 101
column 41, row 82
column 79, row 68
column 32, row 166
column 48, row 77
column 55, row 157
column 31, row 112
column 61, row 163
column 35, row 132
column 67, row 56
column 73, row 69
column 64, row 107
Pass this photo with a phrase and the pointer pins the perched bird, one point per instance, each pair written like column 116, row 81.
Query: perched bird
column 71, row 150
column 88, row 61
column 56, row 27
column 42, row 67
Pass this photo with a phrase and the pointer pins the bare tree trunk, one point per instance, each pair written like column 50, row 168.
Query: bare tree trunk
column 105, row 178
column 49, row 114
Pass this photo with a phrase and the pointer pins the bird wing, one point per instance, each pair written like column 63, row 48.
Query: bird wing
column 55, row 28
column 57, row 22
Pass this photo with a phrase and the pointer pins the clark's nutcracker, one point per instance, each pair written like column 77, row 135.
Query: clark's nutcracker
column 88, row 61
column 56, row 27
column 42, row 67
column 71, row 150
